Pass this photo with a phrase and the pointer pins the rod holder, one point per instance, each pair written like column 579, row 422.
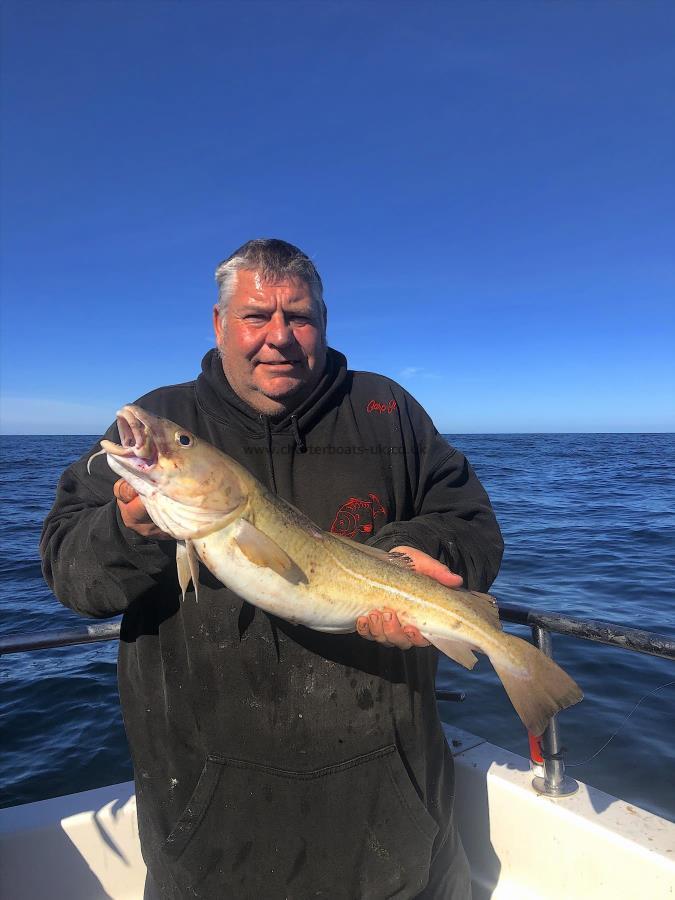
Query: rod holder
column 554, row 782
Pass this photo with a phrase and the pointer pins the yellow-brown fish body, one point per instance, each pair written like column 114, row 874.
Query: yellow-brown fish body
column 272, row 555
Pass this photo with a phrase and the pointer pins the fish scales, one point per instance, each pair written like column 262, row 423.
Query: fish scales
column 342, row 582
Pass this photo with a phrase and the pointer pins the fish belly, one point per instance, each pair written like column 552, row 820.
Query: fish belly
column 301, row 603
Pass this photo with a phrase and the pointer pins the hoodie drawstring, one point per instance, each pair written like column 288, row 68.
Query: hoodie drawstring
column 300, row 444
column 270, row 465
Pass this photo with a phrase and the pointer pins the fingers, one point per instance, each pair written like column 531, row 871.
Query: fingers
column 443, row 575
column 384, row 627
column 133, row 512
column 123, row 491
column 415, row 637
column 432, row 568
column 363, row 628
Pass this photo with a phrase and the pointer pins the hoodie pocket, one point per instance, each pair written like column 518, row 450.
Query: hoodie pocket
column 356, row 830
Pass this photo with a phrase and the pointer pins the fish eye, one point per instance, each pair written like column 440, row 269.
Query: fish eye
column 185, row 440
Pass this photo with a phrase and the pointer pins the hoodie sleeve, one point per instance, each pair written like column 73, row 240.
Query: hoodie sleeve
column 453, row 521
column 93, row 563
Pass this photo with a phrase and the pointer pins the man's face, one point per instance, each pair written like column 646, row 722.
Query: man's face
column 273, row 342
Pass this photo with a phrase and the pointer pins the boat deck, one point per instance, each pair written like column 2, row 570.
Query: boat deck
column 521, row 845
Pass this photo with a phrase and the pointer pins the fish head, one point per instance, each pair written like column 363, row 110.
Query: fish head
column 187, row 485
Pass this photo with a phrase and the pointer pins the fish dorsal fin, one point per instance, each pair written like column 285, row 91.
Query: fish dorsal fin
column 456, row 650
column 294, row 516
column 396, row 559
column 262, row 551
column 187, row 565
column 486, row 607
column 402, row 560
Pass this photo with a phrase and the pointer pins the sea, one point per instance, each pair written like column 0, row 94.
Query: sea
column 589, row 527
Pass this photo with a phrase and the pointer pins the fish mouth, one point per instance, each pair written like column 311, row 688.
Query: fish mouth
column 137, row 449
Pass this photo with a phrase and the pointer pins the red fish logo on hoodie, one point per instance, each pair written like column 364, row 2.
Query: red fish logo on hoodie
column 356, row 515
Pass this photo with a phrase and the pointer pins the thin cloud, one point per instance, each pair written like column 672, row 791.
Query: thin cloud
column 417, row 372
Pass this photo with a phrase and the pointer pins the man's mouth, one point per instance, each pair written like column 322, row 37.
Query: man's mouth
column 281, row 363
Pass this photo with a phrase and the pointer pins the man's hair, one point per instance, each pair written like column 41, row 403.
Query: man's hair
column 276, row 260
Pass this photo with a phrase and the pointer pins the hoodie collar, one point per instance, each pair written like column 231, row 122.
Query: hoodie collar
column 218, row 400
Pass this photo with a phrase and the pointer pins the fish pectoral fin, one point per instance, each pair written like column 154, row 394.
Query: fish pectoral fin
column 261, row 550
column 187, row 566
column 457, row 650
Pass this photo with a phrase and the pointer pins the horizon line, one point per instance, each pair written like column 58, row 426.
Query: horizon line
column 442, row 433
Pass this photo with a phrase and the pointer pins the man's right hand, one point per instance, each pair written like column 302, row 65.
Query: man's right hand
column 134, row 514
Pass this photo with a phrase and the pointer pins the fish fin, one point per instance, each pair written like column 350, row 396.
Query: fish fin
column 301, row 520
column 193, row 562
column 457, row 650
column 538, row 688
column 401, row 560
column 183, row 567
column 261, row 550
column 187, row 566
column 486, row 607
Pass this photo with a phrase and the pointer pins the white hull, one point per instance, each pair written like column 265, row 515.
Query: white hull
column 521, row 846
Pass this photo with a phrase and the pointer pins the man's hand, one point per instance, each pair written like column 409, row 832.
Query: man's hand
column 383, row 625
column 133, row 512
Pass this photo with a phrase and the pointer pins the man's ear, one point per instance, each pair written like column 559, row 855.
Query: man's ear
column 218, row 325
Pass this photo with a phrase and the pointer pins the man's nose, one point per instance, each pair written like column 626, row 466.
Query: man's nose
column 279, row 332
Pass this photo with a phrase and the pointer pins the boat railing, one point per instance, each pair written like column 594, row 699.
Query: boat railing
column 545, row 752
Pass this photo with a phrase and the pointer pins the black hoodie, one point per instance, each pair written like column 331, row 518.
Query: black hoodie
column 272, row 761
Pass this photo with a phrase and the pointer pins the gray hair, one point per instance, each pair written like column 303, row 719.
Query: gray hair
column 276, row 260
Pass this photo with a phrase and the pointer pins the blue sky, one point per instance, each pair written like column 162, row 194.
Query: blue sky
column 488, row 189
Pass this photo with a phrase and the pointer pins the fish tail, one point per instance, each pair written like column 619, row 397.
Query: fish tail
column 538, row 688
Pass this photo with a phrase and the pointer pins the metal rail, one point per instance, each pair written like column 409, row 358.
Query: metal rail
column 586, row 629
column 590, row 630
column 87, row 634
column 553, row 782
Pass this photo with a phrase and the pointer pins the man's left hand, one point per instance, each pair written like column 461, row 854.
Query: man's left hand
column 383, row 625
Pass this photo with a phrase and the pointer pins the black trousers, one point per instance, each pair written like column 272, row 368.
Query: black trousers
column 449, row 876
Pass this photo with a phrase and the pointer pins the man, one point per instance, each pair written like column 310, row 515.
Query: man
column 272, row 761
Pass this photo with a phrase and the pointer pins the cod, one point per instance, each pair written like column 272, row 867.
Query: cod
column 270, row 554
